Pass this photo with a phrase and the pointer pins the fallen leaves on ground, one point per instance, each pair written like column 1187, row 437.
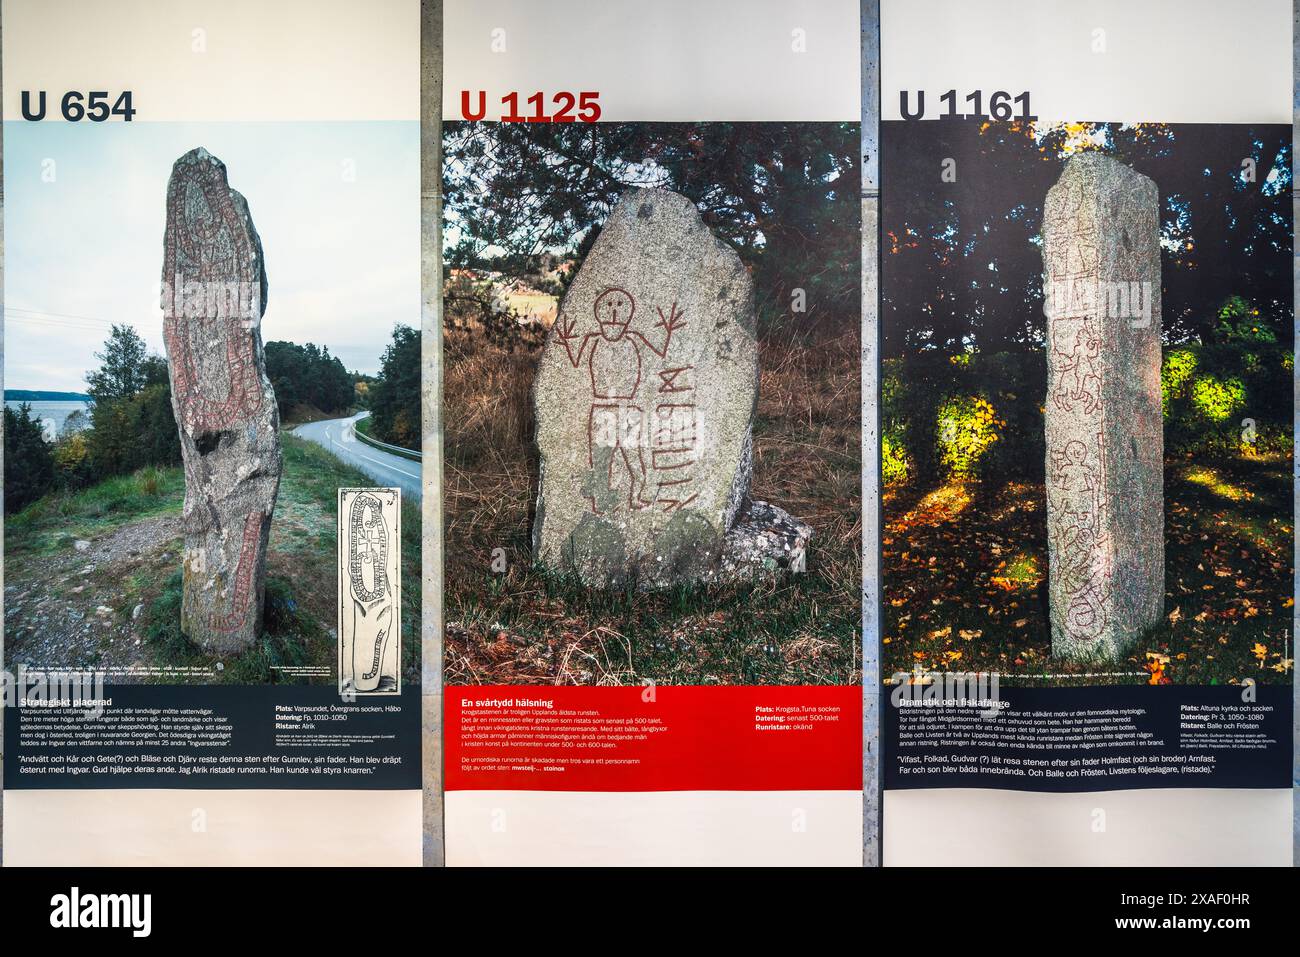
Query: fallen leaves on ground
column 973, row 580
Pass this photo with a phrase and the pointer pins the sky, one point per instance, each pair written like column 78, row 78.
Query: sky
column 337, row 206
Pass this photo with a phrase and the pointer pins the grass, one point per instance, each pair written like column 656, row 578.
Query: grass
column 302, row 413
column 288, row 638
column 526, row 626
column 301, row 601
column 57, row 520
column 965, row 569
column 538, row 305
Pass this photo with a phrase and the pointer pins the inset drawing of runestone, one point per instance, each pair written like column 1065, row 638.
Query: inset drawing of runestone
column 369, row 592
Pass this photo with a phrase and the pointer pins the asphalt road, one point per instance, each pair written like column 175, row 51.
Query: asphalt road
column 387, row 469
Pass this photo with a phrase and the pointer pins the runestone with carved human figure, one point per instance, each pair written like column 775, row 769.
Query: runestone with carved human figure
column 645, row 399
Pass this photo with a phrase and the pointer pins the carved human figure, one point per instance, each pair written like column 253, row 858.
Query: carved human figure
column 616, row 425
column 1076, row 364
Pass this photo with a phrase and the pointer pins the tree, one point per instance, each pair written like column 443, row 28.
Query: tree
column 154, row 424
column 73, row 468
column 308, row 375
column 29, row 464
column 124, row 366
column 132, row 424
column 395, row 398
column 155, row 371
column 74, row 423
column 111, row 440
column 784, row 195
column 961, row 265
column 129, row 434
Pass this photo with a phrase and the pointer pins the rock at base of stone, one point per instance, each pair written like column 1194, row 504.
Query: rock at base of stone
column 766, row 540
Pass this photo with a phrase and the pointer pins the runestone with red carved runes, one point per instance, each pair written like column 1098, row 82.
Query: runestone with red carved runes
column 214, row 294
column 1104, row 428
column 645, row 399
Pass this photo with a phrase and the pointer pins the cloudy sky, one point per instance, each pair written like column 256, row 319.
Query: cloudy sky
column 336, row 205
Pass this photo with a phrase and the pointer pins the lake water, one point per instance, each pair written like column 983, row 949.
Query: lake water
column 53, row 415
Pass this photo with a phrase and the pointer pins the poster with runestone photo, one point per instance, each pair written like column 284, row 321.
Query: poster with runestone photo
column 370, row 591
column 652, row 451
column 222, row 291
column 1087, row 440
column 661, row 406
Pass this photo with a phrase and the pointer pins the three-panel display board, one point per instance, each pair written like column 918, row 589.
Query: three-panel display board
column 771, row 432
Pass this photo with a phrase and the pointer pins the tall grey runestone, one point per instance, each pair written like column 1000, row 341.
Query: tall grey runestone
column 1104, row 428
column 214, row 295
column 645, row 399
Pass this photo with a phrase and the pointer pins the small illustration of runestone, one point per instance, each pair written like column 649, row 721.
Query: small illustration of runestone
column 369, row 591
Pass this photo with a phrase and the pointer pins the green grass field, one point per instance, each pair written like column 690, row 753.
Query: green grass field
column 53, row 523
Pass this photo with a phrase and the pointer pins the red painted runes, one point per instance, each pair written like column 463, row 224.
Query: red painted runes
column 204, row 224
column 241, row 599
